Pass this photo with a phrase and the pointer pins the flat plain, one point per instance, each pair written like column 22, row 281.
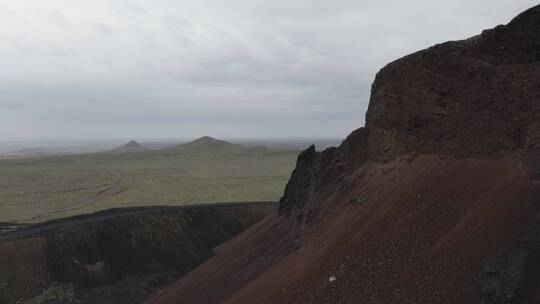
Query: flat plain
column 205, row 171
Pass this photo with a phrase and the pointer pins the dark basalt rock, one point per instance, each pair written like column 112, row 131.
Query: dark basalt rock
column 300, row 185
column 510, row 275
column 478, row 96
column 103, row 249
column 474, row 97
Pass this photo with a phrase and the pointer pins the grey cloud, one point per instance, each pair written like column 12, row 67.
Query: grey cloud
column 58, row 18
column 103, row 28
column 117, row 68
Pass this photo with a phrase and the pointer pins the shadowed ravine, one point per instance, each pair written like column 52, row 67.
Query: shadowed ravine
column 117, row 255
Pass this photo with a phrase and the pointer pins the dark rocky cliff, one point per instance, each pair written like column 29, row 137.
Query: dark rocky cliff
column 146, row 245
column 472, row 97
column 478, row 97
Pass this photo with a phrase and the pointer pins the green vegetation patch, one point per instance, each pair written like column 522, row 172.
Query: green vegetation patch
column 38, row 189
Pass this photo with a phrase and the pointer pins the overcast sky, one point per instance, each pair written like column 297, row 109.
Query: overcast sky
column 73, row 69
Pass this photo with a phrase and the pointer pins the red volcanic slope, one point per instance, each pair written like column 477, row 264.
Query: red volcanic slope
column 419, row 234
column 436, row 200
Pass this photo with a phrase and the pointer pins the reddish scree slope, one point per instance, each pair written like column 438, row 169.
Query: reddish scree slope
column 436, row 200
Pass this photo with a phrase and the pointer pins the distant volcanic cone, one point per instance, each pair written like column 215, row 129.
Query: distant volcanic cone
column 130, row 147
column 206, row 143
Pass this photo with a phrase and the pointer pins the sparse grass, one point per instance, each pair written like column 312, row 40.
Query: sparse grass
column 57, row 293
column 38, row 189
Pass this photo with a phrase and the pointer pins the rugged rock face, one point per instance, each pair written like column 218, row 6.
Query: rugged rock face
column 315, row 170
column 478, row 97
column 472, row 97
column 435, row 200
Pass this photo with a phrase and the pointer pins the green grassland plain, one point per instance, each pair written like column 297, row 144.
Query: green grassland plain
column 44, row 188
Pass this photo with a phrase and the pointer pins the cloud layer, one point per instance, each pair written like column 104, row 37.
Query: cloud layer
column 244, row 68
